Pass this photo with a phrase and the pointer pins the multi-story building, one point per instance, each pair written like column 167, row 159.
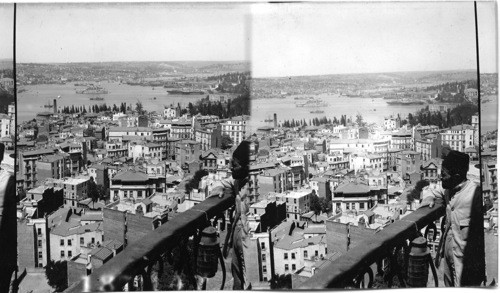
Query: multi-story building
column 272, row 180
column 292, row 251
column 367, row 161
column 75, row 189
column 407, row 163
column 181, row 129
column 146, row 150
column 391, row 123
column 186, row 151
column 297, row 203
column 5, row 125
column 353, row 196
column 458, row 137
column 209, row 137
column 27, row 165
column 401, row 140
column 429, row 146
column 51, row 166
column 131, row 184
column 160, row 136
column 235, row 128
column 117, row 133
column 170, row 113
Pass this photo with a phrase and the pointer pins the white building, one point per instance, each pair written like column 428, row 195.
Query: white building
column 459, row 137
column 235, row 128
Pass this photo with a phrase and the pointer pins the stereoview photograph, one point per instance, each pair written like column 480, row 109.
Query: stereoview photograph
column 249, row 146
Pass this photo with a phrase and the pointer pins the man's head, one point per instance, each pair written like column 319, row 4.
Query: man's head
column 240, row 160
column 454, row 169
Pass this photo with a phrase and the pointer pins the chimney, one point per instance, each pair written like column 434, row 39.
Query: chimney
column 275, row 120
column 55, row 106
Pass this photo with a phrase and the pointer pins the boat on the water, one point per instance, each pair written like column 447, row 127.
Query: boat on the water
column 185, row 92
column 96, row 98
column 317, row 112
column 405, row 102
column 314, row 103
column 48, row 105
column 93, row 89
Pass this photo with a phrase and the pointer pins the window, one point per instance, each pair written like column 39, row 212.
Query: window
column 286, row 268
column 69, row 242
column 82, row 241
column 70, row 253
column 293, row 255
column 263, row 245
column 62, row 253
column 264, row 269
column 305, row 253
column 39, row 231
column 40, row 254
column 293, row 267
column 93, row 240
column 361, row 205
column 263, row 257
column 326, row 250
column 285, row 256
column 62, row 242
column 315, row 253
column 39, row 243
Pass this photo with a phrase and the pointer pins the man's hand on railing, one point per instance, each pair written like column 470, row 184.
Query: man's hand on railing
column 431, row 195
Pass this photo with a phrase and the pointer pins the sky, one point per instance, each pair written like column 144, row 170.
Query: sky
column 96, row 32
column 6, row 31
column 333, row 38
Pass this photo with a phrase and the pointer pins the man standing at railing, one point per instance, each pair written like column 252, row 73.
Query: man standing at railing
column 462, row 243
column 237, row 187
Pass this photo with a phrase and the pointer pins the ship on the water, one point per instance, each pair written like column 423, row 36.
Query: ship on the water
column 92, row 89
column 48, row 105
column 96, row 98
column 405, row 102
column 312, row 103
column 317, row 112
column 185, row 92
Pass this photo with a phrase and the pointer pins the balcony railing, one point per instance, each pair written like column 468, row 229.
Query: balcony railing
column 138, row 256
column 353, row 265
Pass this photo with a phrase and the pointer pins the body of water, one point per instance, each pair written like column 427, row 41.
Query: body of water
column 373, row 110
column 32, row 101
column 489, row 113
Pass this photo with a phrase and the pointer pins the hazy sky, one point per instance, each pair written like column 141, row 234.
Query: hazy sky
column 6, row 31
column 131, row 32
column 329, row 38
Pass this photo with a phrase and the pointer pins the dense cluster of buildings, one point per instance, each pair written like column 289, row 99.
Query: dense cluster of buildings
column 90, row 184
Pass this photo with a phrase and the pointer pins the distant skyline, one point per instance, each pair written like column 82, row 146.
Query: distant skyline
column 295, row 39
column 6, row 31
column 111, row 32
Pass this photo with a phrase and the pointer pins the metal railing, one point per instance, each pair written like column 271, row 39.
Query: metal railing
column 352, row 266
column 136, row 258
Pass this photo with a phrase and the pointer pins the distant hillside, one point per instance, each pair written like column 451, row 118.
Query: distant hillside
column 6, row 64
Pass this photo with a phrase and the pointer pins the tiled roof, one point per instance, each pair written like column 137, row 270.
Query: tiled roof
column 352, row 188
column 130, row 175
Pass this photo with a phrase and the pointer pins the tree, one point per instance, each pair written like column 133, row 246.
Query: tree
column 57, row 275
column 359, row 119
column 92, row 190
column 314, row 204
column 195, row 181
column 139, row 108
column 281, row 282
column 226, row 142
column 415, row 193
